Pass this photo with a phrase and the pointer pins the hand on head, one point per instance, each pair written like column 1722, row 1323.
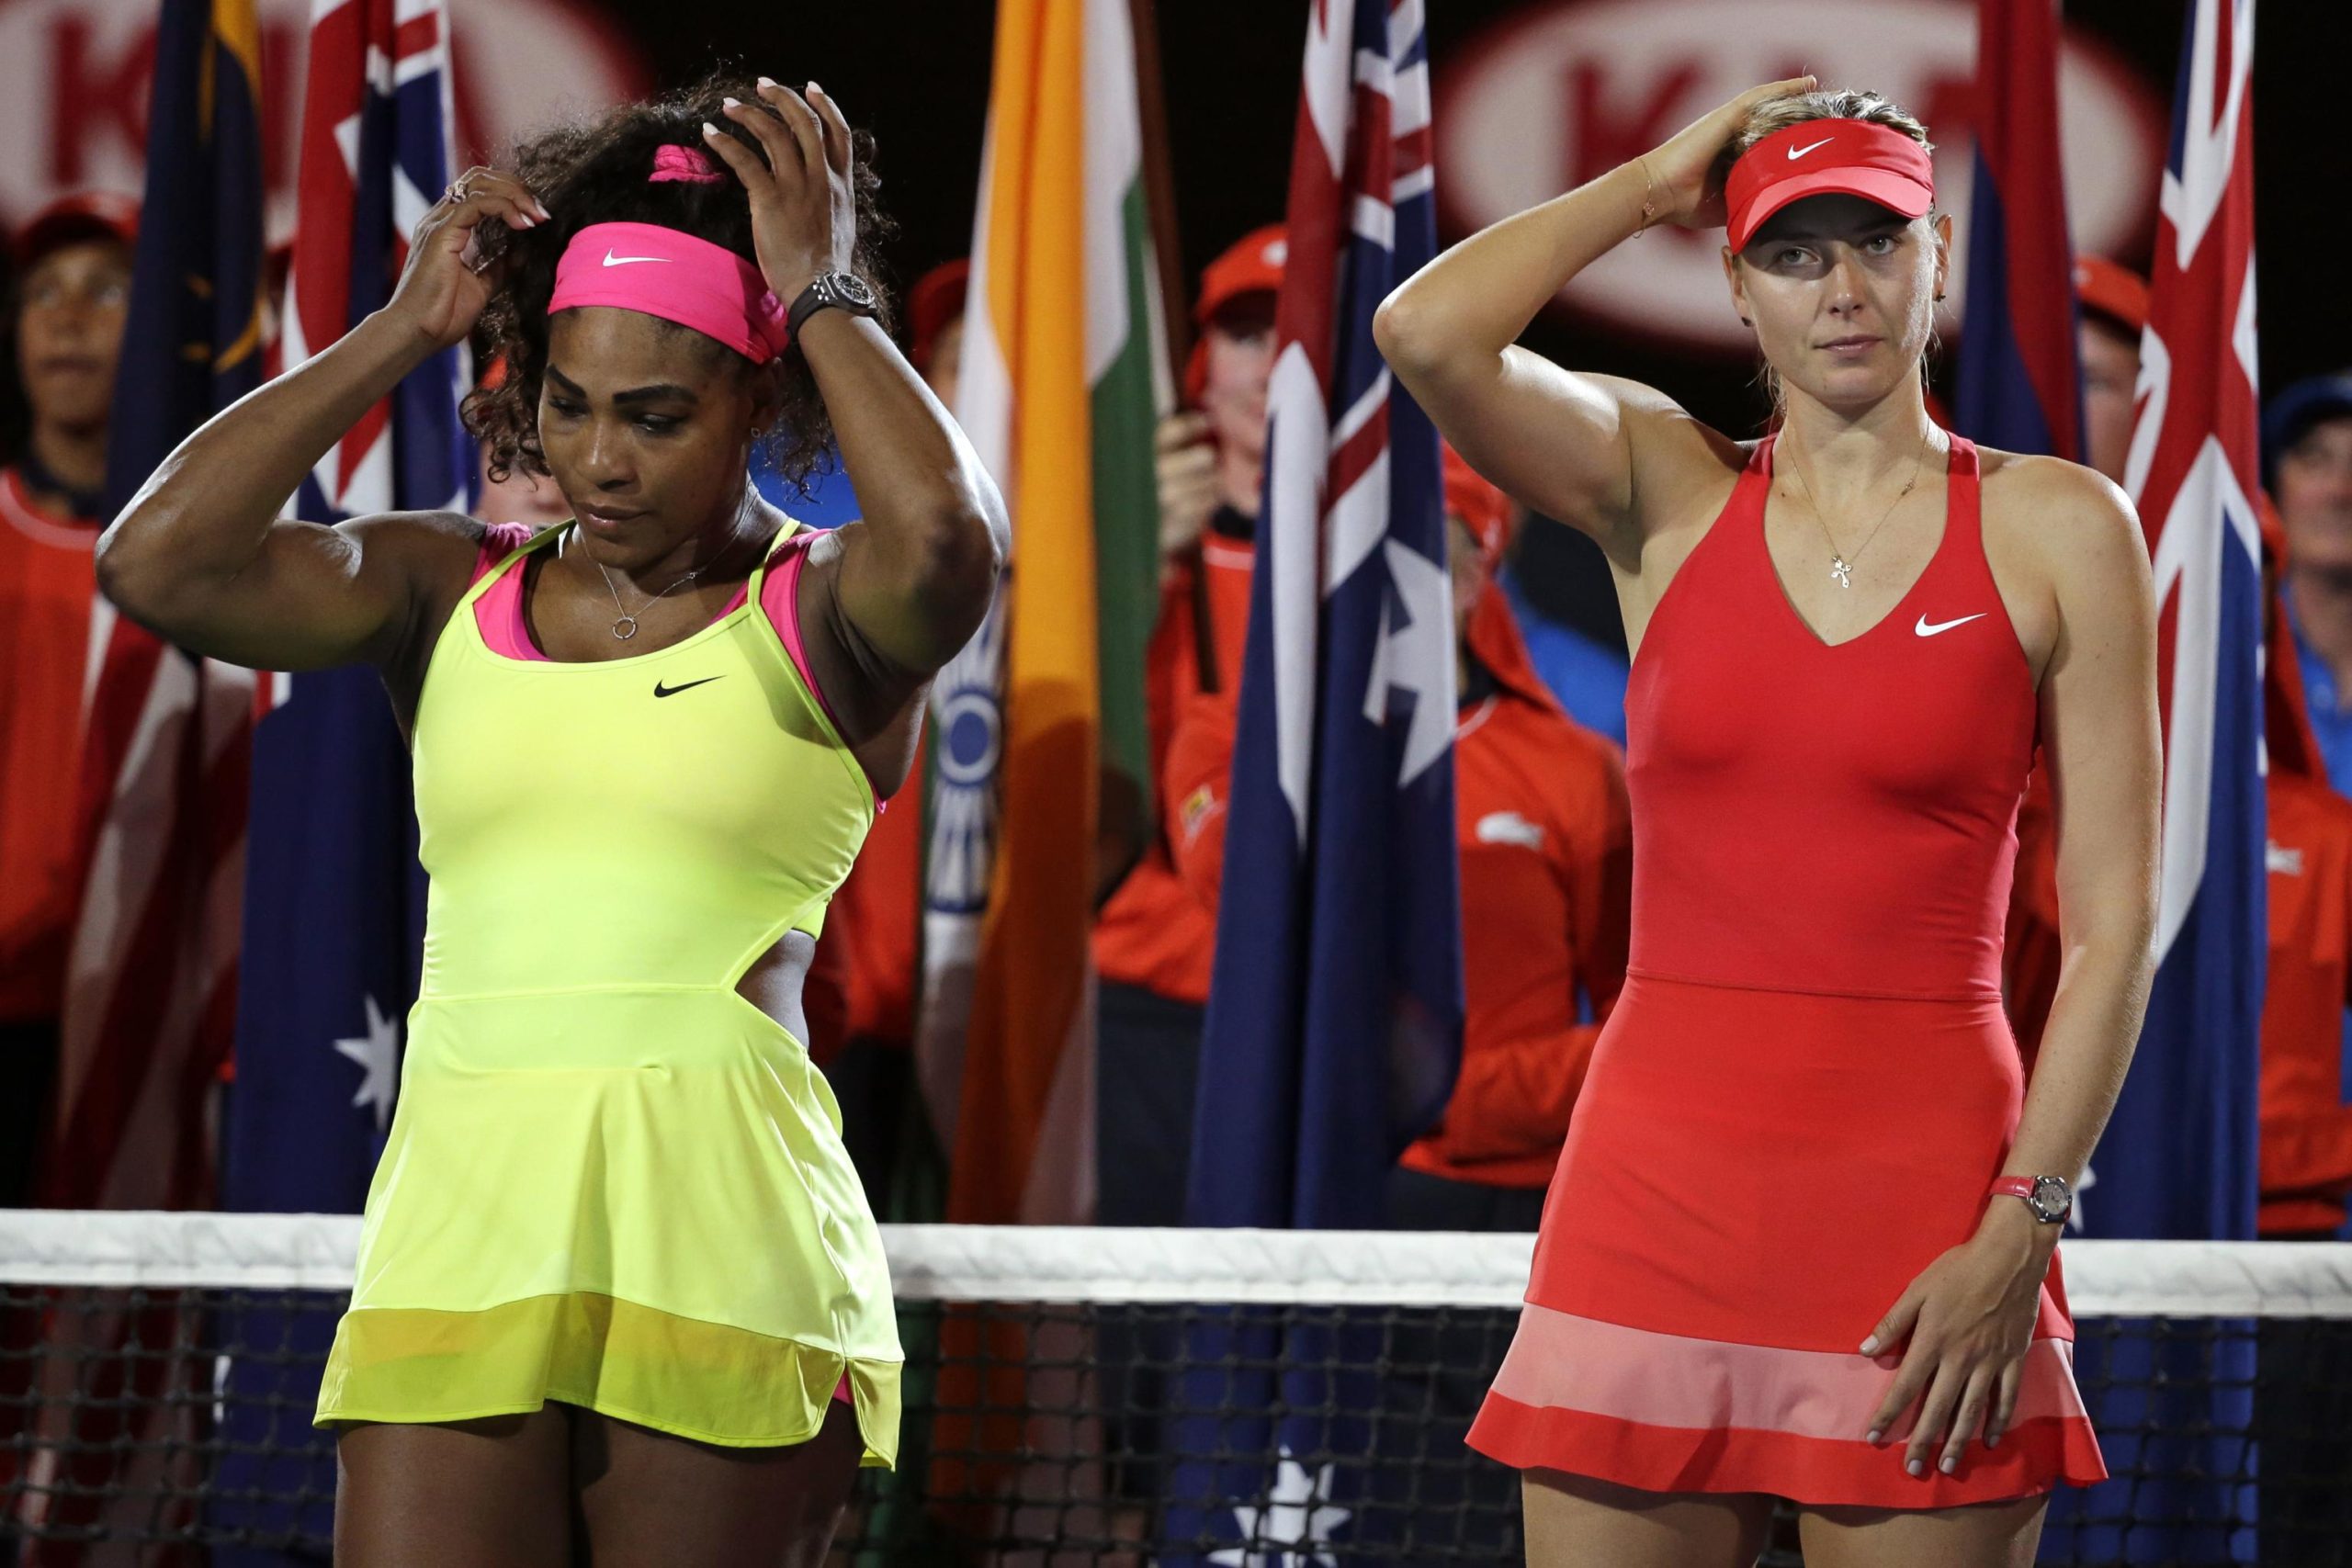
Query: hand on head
column 1678, row 170
column 804, row 197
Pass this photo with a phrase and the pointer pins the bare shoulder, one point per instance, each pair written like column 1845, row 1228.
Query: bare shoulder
column 1680, row 463
column 2070, row 525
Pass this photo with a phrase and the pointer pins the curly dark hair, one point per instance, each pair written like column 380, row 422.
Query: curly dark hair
column 595, row 172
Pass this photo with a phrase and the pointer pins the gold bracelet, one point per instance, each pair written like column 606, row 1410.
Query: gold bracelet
column 1649, row 201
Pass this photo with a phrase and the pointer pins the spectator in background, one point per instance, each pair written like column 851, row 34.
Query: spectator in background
column 1153, row 943
column 2113, row 301
column 1545, row 843
column 2307, row 462
column 73, row 266
column 518, row 495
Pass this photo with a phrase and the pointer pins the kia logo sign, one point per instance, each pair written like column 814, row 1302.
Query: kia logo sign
column 1560, row 94
column 74, row 78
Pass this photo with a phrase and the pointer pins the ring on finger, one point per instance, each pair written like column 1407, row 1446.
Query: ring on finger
column 460, row 189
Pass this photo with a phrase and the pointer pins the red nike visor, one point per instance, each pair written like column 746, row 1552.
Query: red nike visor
column 1849, row 157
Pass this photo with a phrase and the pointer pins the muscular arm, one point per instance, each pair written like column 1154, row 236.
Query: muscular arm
column 1568, row 445
column 200, row 556
column 1603, row 456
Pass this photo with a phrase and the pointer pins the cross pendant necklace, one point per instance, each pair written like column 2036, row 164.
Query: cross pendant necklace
column 1839, row 568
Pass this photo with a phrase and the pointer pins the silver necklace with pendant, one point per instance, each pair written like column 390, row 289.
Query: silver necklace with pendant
column 1840, row 567
column 626, row 626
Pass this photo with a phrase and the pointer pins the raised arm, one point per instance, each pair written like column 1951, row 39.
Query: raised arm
column 200, row 556
column 910, row 583
column 1595, row 452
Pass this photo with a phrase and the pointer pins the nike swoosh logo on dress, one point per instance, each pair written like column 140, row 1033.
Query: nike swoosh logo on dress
column 1796, row 152
column 662, row 691
column 1924, row 629
column 612, row 260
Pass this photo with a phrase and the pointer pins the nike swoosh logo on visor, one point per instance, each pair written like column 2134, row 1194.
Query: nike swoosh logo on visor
column 1923, row 628
column 662, row 691
column 1794, row 153
column 612, row 260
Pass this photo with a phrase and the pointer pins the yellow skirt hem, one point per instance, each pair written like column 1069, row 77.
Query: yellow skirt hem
column 691, row 1378
column 353, row 1416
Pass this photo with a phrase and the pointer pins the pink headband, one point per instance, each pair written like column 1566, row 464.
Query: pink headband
column 677, row 277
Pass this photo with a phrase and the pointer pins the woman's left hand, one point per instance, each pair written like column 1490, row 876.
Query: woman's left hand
column 804, row 202
column 1969, row 1317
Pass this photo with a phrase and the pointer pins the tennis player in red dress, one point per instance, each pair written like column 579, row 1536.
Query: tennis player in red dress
column 1801, row 1240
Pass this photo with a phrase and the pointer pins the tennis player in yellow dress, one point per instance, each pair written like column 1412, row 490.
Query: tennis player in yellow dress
column 619, row 1295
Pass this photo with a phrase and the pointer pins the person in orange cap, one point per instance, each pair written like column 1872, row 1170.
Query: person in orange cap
column 72, row 262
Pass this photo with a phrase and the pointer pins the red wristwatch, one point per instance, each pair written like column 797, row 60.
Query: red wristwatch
column 2047, row 1198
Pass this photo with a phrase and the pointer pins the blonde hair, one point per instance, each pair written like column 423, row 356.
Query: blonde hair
column 1776, row 115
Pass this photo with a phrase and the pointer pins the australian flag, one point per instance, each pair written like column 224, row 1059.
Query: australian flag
column 2019, row 388
column 334, row 904
column 2178, row 1159
column 1334, row 1023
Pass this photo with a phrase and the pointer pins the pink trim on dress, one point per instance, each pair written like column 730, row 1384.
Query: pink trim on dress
column 1558, row 1361
column 498, row 614
column 780, row 597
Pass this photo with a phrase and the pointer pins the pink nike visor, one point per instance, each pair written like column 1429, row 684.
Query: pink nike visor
column 1849, row 157
column 678, row 277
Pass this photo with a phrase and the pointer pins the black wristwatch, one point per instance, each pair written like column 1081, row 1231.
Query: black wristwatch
column 833, row 291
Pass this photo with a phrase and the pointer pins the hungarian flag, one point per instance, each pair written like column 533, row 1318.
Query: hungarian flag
column 2178, row 1159
column 1062, row 377
column 334, row 914
column 2018, row 389
column 1335, row 1016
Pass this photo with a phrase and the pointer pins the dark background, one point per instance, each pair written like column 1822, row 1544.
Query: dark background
column 915, row 73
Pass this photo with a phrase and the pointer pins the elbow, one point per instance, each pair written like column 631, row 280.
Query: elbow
column 127, row 573
column 1400, row 331
column 967, row 545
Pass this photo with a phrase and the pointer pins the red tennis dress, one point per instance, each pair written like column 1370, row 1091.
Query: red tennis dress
column 1809, row 1081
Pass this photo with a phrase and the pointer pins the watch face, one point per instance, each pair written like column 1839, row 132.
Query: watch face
column 852, row 291
column 2050, row 1199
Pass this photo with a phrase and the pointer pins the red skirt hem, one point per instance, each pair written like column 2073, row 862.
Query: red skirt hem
column 2033, row 1457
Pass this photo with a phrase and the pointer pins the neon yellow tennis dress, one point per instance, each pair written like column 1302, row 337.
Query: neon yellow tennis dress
column 611, row 1179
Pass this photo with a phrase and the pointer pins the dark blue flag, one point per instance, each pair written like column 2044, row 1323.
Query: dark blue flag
column 335, row 900
column 1334, row 1020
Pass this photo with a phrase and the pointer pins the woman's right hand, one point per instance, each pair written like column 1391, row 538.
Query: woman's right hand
column 444, row 288
column 1678, row 170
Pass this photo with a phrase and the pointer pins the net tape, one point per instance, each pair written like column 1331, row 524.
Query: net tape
column 1059, row 1410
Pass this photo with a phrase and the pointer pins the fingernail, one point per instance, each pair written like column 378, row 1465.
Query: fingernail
column 1875, row 1436
column 526, row 220
column 1869, row 1346
column 1994, row 1441
column 731, row 103
column 767, row 81
column 1915, row 1467
column 708, row 128
column 1950, row 1465
column 814, row 88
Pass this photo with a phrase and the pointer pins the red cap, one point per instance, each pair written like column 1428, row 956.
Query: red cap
column 84, row 215
column 936, row 299
column 1472, row 497
column 1252, row 264
column 2112, row 290
column 1815, row 157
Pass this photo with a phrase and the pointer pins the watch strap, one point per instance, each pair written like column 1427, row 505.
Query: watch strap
column 823, row 292
column 2011, row 1186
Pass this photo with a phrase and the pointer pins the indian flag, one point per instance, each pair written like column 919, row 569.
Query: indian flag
column 1042, row 717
